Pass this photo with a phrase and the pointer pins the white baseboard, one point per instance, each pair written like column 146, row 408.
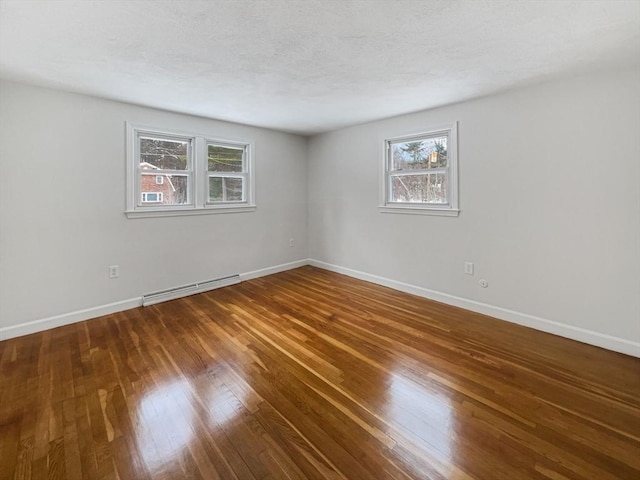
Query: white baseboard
column 89, row 313
column 575, row 333
column 67, row 318
column 568, row 331
column 271, row 270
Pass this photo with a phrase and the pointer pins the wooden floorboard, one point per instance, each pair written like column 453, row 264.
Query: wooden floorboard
column 309, row 374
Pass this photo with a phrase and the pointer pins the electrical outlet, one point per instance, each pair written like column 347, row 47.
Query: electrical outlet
column 468, row 268
column 292, row 242
column 114, row 271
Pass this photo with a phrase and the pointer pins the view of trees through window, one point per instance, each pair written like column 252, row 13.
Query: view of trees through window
column 225, row 189
column 418, row 171
column 224, row 161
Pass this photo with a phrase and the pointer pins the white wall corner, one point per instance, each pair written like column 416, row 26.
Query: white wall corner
column 271, row 270
column 549, row 326
column 568, row 331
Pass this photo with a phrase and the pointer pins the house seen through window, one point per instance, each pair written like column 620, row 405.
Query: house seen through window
column 180, row 174
column 162, row 158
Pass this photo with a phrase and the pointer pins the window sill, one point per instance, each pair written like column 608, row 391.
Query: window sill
column 442, row 212
column 178, row 212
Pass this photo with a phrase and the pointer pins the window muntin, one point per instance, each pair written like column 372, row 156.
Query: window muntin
column 420, row 173
column 195, row 174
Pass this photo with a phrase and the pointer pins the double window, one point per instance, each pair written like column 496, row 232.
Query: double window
column 420, row 173
column 174, row 174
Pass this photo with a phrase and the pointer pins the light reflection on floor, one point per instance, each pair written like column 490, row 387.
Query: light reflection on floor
column 166, row 420
column 423, row 412
column 164, row 424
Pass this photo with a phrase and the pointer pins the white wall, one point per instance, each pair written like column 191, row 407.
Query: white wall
column 62, row 222
column 550, row 200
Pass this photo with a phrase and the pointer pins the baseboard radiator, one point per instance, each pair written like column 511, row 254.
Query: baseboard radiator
column 186, row 290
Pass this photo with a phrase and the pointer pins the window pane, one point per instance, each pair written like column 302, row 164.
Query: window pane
column 421, row 154
column 225, row 159
column 225, row 189
column 173, row 189
column 164, row 154
column 419, row 188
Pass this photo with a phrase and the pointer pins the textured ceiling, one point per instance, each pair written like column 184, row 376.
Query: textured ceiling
column 308, row 66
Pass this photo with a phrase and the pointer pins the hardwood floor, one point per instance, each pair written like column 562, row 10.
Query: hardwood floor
column 310, row 374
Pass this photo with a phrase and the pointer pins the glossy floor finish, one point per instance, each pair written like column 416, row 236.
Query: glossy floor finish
column 310, row 374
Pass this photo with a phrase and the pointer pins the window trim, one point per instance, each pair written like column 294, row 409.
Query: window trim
column 160, row 179
column 198, row 175
column 450, row 209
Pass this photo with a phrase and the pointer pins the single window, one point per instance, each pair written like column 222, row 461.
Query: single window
column 420, row 173
column 173, row 157
column 175, row 174
column 227, row 170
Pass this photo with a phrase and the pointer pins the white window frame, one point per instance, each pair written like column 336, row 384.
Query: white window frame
column 451, row 170
column 244, row 174
column 146, row 194
column 197, row 172
column 159, row 179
